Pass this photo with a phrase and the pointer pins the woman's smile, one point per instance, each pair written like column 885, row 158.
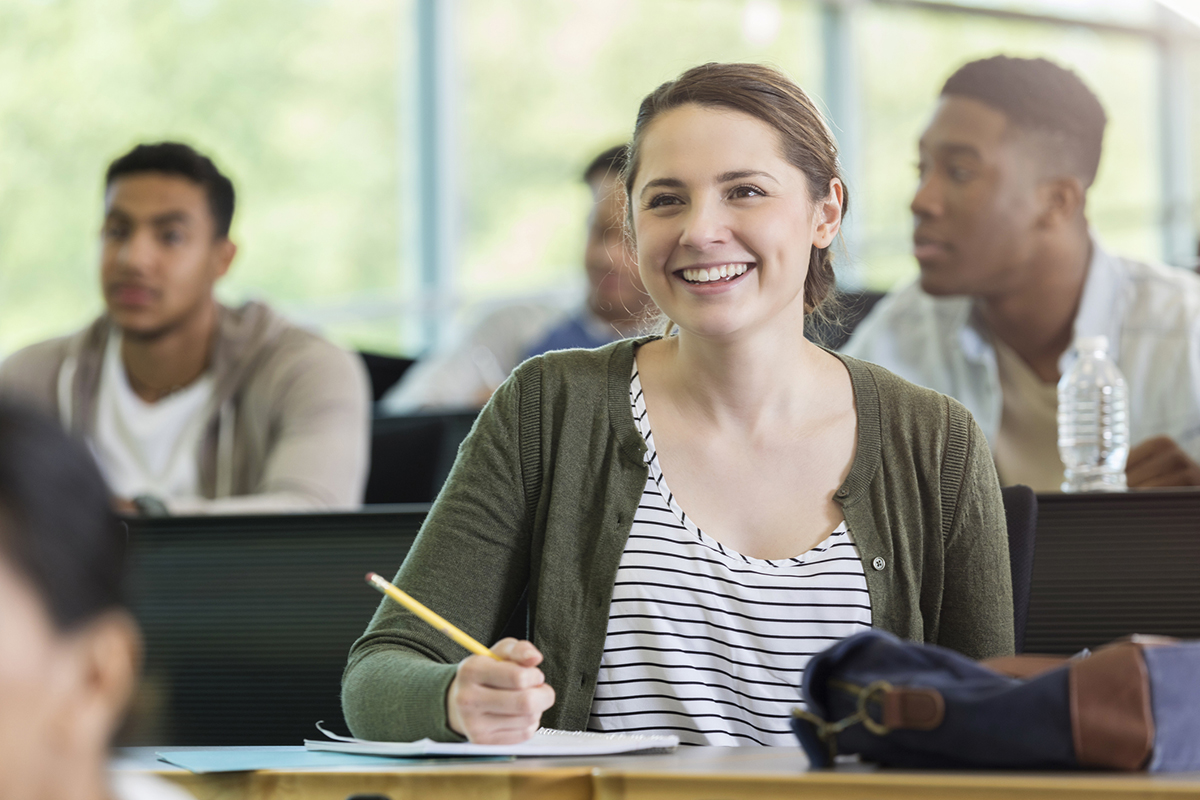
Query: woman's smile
column 714, row 278
column 714, row 273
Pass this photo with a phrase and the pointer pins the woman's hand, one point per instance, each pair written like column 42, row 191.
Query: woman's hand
column 499, row 702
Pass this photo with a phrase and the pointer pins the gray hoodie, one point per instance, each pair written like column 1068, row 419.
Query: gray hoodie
column 288, row 428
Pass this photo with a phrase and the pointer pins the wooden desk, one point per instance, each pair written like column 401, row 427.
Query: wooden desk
column 777, row 774
column 692, row 773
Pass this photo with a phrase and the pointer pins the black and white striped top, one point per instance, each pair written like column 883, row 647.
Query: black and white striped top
column 709, row 644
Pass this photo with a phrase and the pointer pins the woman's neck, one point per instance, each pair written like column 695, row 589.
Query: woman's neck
column 744, row 381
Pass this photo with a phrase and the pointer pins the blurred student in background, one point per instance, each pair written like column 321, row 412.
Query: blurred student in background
column 466, row 375
column 192, row 407
column 1011, row 275
column 69, row 652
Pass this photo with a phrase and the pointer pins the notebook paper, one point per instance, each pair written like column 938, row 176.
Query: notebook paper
column 546, row 742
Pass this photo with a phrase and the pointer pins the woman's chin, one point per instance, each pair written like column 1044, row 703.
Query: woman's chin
column 712, row 327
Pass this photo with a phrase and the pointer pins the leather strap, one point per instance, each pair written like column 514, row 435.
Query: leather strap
column 1024, row 666
column 913, row 709
column 1111, row 720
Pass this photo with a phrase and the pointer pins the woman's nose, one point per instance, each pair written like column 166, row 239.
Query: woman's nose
column 704, row 224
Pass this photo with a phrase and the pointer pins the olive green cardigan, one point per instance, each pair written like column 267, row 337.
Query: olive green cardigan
column 542, row 497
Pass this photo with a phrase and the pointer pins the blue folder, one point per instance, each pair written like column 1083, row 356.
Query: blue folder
column 242, row 759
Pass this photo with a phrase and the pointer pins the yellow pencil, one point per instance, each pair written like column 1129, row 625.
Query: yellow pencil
column 429, row 616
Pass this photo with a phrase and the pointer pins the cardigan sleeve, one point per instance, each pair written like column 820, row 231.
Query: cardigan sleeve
column 977, row 610
column 470, row 563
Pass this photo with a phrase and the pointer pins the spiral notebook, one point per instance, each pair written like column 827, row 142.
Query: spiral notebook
column 546, row 742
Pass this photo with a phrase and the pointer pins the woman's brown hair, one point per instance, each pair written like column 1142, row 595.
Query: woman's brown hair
column 770, row 96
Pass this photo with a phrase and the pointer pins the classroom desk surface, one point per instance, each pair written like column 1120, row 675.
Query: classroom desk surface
column 707, row 773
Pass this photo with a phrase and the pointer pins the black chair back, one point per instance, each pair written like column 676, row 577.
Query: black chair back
column 1114, row 564
column 1021, row 515
column 412, row 455
column 248, row 620
column 384, row 371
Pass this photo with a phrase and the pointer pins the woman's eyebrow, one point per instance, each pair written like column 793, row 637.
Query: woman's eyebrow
column 737, row 175
column 671, row 183
column 724, row 177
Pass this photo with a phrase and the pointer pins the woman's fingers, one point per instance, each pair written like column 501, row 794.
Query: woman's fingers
column 520, row 697
column 499, row 702
column 518, row 651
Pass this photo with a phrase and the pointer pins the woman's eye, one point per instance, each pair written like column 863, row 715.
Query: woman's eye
column 660, row 200
column 747, row 191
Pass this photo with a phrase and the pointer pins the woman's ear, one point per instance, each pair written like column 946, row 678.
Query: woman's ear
column 827, row 215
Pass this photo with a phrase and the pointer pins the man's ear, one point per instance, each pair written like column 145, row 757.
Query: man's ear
column 827, row 214
column 1062, row 200
column 223, row 253
column 109, row 657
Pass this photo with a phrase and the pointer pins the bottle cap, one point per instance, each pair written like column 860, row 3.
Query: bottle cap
column 1090, row 344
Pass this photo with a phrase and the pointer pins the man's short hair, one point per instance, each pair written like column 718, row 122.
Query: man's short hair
column 1041, row 97
column 173, row 158
column 609, row 164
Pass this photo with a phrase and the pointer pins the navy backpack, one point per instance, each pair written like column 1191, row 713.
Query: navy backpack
column 1132, row 705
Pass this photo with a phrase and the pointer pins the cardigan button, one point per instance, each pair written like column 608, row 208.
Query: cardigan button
column 878, row 563
column 843, row 492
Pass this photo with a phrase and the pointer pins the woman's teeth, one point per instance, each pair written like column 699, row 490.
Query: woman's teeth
column 725, row 271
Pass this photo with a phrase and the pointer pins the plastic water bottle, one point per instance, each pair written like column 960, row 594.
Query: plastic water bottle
column 1093, row 420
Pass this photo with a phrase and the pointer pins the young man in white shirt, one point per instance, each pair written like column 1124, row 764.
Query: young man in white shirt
column 191, row 406
column 1011, row 275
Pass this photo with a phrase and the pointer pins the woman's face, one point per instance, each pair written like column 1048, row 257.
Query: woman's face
column 62, row 694
column 34, row 688
column 723, row 223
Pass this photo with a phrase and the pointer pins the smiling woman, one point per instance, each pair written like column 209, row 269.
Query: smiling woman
column 792, row 130
column 693, row 517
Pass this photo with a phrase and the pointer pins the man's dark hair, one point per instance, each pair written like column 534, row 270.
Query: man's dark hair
column 173, row 158
column 1043, row 98
column 57, row 528
column 610, row 163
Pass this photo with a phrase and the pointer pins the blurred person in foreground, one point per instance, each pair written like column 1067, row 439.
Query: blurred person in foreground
column 1011, row 275
column 192, row 407
column 465, row 375
column 69, row 651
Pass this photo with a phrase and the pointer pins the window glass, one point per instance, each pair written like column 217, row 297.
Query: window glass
column 308, row 106
column 1194, row 88
column 547, row 84
column 1122, row 12
column 295, row 101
